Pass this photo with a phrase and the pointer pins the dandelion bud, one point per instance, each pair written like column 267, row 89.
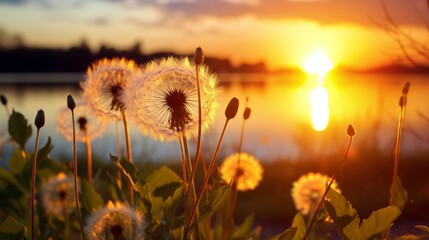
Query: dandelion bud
column 3, row 99
column 198, row 56
column 351, row 131
column 406, row 88
column 402, row 101
column 70, row 102
column 39, row 121
column 246, row 114
column 232, row 108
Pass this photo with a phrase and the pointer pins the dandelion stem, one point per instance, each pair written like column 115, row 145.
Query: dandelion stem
column 33, row 186
column 233, row 196
column 190, row 195
column 397, row 148
column 184, row 172
column 76, row 194
column 88, row 155
column 207, row 176
column 129, row 154
column 331, row 181
column 198, row 147
column 402, row 104
column 118, row 154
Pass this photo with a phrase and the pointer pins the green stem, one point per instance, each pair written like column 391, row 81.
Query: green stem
column 129, row 154
column 190, row 194
column 76, row 194
column 33, row 186
column 331, row 181
column 88, row 156
column 206, row 177
column 233, row 196
column 198, row 147
column 118, row 154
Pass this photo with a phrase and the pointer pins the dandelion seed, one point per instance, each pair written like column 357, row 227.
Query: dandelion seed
column 308, row 190
column 86, row 122
column 116, row 221
column 249, row 171
column 164, row 101
column 106, row 80
column 57, row 195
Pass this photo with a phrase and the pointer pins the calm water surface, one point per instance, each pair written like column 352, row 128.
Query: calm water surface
column 279, row 126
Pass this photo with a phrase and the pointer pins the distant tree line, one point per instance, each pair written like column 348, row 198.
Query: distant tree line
column 18, row 57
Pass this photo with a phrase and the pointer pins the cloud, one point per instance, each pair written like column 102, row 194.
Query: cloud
column 14, row 2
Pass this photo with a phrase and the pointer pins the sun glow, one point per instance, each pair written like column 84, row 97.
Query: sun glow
column 319, row 108
column 318, row 63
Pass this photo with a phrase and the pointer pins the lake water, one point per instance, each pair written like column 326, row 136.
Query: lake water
column 280, row 123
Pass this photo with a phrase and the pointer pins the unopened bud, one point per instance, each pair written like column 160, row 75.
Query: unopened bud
column 246, row 113
column 39, row 121
column 406, row 88
column 402, row 101
column 232, row 108
column 198, row 56
column 3, row 99
column 351, row 131
column 70, row 102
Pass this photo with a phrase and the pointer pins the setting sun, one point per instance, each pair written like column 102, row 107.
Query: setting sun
column 318, row 63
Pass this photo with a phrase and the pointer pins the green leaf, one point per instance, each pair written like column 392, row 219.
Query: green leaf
column 170, row 206
column 19, row 129
column 401, row 195
column 343, row 214
column 116, row 193
column 289, row 234
column 44, row 151
column 408, row 237
column 91, row 200
column 17, row 162
column 124, row 172
column 422, row 227
column 244, row 231
column 8, row 177
column 11, row 229
column 161, row 177
column 378, row 221
column 130, row 168
column 299, row 223
column 208, row 208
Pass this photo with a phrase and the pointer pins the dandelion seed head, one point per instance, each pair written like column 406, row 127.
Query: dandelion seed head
column 164, row 100
column 57, row 194
column 116, row 221
column 308, row 190
column 249, row 171
column 85, row 120
column 105, row 83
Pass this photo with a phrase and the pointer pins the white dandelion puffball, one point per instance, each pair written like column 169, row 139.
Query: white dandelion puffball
column 308, row 190
column 116, row 221
column 105, row 82
column 249, row 171
column 163, row 102
column 57, row 195
column 87, row 124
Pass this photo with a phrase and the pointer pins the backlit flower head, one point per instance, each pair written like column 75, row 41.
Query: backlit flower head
column 105, row 83
column 164, row 101
column 57, row 195
column 308, row 190
column 85, row 120
column 116, row 221
column 249, row 171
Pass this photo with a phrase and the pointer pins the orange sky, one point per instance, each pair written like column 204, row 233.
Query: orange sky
column 278, row 32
